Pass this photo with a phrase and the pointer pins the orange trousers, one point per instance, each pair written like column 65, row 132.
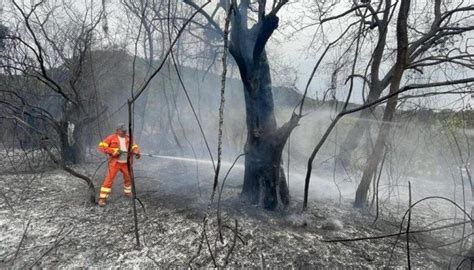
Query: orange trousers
column 112, row 171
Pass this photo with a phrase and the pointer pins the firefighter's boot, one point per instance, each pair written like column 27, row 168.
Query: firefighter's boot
column 127, row 189
column 102, row 202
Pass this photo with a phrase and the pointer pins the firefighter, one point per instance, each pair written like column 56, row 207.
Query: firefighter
column 116, row 147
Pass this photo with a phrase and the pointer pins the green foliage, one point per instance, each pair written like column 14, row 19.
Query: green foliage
column 455, row 122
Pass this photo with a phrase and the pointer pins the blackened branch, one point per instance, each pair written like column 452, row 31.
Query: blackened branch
column 284, row 131
column 268, row 25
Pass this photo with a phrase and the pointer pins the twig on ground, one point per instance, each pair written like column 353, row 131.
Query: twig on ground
column 394, row 234
column 234, row 242
column 208, row 244
column 7, row 202
column 55, row 244
column 21, row 240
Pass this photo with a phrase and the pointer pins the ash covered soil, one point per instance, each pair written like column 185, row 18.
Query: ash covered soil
column 46, row 221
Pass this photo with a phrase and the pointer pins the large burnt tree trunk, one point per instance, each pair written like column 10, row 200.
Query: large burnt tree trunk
column 264, row 178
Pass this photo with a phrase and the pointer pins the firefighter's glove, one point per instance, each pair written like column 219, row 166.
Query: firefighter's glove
column 115, row 153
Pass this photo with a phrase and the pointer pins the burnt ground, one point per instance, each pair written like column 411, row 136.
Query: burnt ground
column 46, row 221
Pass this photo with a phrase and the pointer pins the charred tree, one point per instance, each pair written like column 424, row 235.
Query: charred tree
column 426, row 50
column 70, row 153
column 400, row 65
column 72, row 133
column 264, row 178
column 51, row 66
column 376, row 86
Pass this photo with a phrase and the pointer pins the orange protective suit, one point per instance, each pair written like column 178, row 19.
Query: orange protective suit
column 111, row 146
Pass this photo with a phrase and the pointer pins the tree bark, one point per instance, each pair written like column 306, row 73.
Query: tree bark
column 400, row 65
column 70, row 150
column 264, row 178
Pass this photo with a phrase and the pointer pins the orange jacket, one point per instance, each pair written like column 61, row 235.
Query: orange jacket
column 111, row 146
